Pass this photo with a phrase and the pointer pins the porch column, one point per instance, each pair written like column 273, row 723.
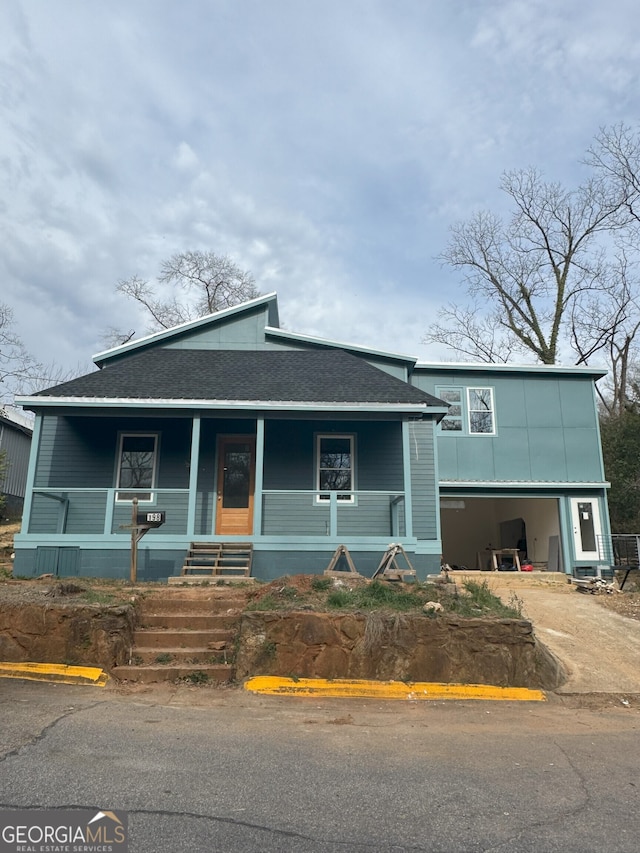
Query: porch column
column 31, row 474
column 406, row 464
column 193, row 476
column 258, row 481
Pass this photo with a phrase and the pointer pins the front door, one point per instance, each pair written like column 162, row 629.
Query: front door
column 585, row 517
column 236, row 477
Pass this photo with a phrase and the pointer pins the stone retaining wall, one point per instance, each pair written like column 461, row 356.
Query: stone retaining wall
column 93, row 635
column 399, row 647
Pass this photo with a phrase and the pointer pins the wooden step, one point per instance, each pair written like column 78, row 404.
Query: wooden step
column 216, row 571
column 209, row 580
column 218, row 559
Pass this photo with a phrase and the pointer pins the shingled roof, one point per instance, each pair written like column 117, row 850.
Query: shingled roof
column 313, row 376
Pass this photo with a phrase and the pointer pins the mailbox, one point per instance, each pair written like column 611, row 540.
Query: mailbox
column 151, row 518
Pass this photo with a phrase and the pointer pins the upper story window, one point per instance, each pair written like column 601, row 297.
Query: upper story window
column 471, row 410
column 136, row 466
column 452, row 421
column 481, row 419
column 334, row 466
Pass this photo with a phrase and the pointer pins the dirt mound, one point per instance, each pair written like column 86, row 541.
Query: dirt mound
column 310, row 589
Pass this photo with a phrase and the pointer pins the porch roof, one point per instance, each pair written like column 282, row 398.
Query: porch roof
column 266, row 378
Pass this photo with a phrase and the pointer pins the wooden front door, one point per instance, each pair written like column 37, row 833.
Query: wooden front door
column 236, row 477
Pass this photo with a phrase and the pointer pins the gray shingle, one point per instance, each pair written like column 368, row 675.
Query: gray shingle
column 321, row 376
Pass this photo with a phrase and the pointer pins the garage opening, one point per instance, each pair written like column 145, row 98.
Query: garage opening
column 473, row 527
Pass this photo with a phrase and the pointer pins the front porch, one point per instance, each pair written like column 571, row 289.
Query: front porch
column 293, row 497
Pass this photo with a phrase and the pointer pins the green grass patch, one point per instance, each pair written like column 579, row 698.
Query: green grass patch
column 475, row 599
column 481, row 601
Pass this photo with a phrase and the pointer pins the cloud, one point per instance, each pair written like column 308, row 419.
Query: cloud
column 326, row 146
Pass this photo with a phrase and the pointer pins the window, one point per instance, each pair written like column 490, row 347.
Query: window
column 334, row 472
column 136, row 466
column 471, row 410
column 452, row 421
column 480, row 411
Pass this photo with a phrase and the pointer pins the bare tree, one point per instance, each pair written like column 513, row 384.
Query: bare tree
column 527, row 273
column 615, row 157
column 605, row 324
column 20, row 372
column 190, row 285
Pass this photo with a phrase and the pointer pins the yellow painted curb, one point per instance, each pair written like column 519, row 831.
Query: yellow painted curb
column 273, row 685
column 59, row 672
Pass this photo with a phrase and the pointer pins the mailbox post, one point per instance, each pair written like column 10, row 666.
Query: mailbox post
column 141, row 523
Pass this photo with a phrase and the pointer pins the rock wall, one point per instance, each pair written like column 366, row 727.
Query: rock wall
column 398, row 647
column 79, row 634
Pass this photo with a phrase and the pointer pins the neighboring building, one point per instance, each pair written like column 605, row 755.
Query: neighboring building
column 15, row 444
column 243, row 432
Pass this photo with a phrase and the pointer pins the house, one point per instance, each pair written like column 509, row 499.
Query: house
column 242, row 432
column 15, row 443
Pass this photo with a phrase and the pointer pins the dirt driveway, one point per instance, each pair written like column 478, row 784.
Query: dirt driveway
column 599, row 648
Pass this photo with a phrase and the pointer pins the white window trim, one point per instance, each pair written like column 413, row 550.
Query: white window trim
column 156, row 441
column 493, row 409
column 320, row 498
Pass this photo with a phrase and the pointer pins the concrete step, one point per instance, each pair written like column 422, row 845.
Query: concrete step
column 198, row 606
column 189, row 621
column 218, row 673
column 169, row 656
column 151, row 638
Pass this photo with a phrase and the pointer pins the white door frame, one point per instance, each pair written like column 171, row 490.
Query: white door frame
column 578, row 543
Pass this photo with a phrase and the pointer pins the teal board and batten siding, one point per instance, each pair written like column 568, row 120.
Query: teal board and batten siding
column 546, row 429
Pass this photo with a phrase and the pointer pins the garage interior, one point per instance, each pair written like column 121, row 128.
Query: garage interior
column 473, row 527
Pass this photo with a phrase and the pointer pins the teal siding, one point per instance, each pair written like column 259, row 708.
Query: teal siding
column 290, row 453
column 301, row 515
column 290, row 464
column 243, row 332
column 546, row 429
column 423, row 480
column 78, row 453
column 294, row 515
column 86, row 513
column 159, row 564
column 46, row 515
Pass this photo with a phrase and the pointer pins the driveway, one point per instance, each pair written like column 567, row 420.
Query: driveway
column 600, row 650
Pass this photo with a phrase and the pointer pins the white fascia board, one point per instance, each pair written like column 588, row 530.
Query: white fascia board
column 520, row 484
column 183, row 327
column 325, row 342
column 485, row 367
column 243, row 405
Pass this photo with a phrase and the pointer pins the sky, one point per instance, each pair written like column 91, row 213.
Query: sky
column 325, row 145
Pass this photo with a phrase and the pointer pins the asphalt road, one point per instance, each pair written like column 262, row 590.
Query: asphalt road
column 204, row 770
